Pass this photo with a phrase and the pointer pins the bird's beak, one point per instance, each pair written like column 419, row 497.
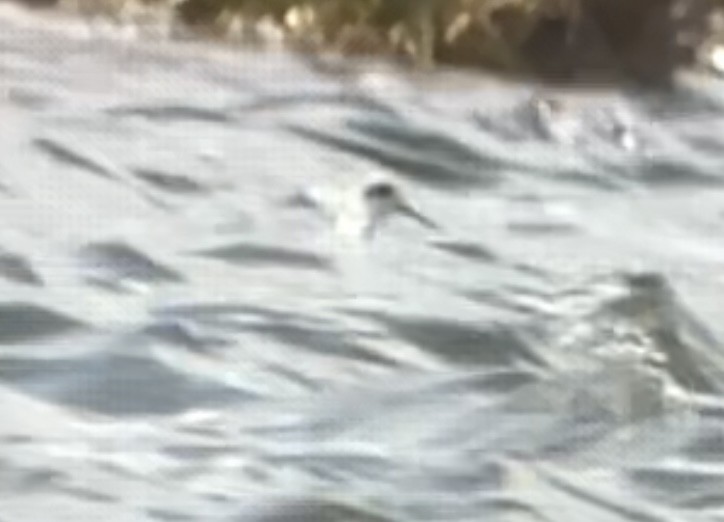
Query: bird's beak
column 409, row 211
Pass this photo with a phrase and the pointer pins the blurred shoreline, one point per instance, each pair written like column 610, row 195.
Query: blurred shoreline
column 559, row 41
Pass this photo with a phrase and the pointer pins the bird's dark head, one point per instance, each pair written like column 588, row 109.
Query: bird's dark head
column 380, row 191
column 384, row 199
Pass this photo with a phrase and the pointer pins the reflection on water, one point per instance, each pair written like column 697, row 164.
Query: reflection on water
column 178, row 341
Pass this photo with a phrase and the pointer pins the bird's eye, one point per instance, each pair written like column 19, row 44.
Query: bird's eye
column 380, row 191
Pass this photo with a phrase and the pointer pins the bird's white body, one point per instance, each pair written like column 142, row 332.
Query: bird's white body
column 357, row 211
column 556, row 121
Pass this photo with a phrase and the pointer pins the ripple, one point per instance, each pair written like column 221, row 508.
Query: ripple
column 16, row 268
column 167, row 515
column 171, row 113
column 676, row 172
column 311, row 509
column 66, row 154
column 248, row 254
column 24, row 322
column 115, row 265
column 419, row 154
column 354, row 101
column 470, row 251
column 171, row 183
column 118, row 385
column 184, row 336
column 460, row 343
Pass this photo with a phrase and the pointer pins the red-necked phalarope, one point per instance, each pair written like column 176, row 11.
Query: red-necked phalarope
column 360, row 210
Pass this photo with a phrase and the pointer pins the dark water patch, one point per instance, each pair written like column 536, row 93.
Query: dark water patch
column 4, row 189
column 355, row 101
column 470, row 251
column 119, row 385
column 220, row 498
column 309, row 509
column 176, row 184
column 210, row 311
column 176, row 333
column 232, row 317
column 483, row 475
column 25, row 322
column 238, row 221
column 296, row 377
column 225, row 315
column 609, row 506
column 661, row 483
column 87, row 494
column 460, row 343
column 333, row 467
column 329, row 342
column 66, row 154
column 704, row 135
column 249, row 254
column 508, row 126
column 336, row 417
column 488, row 383
column 542, row 228
column 709, row 145
column 195, row 452
column 684, row 363
column 704, row 501
column 167, row 515
column 498, row 300
column 436, row 159
column 121, row 470
column 607, row 180
column 509, row 507
column 16, row 268
column 173, row 113
column 675, row 173
column 590, row 424
column 407, row 137
column 706, row 445
column 112, row 265
column 30, row 478
column 289, row 328
column 532, row 270
column 29, row 99
column 16, row 440
column 300, row 199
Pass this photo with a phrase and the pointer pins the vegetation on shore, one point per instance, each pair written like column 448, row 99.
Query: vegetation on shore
column 554, row 38
column 483, row 31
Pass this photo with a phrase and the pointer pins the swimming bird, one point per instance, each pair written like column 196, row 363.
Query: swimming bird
column 360, row 210
column 554, row 120
column 573, row 125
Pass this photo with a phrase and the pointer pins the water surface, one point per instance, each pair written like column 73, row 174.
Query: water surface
column 179, row 342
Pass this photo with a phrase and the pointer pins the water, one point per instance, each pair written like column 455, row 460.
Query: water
column 180, row 342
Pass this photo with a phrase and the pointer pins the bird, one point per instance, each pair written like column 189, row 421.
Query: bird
column 584, row 125
column 359, row 211
column 554, row 120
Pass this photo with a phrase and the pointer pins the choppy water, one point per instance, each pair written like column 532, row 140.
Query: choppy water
column 179, row 342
